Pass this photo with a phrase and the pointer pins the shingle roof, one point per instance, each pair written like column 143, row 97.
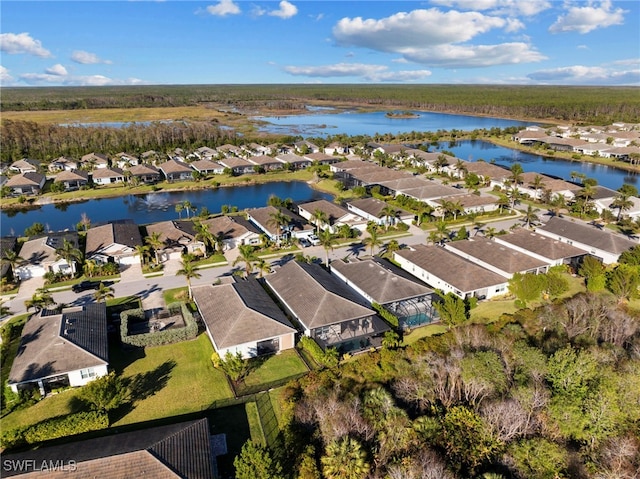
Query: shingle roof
column 487, row 170
column 43, row 249
column 180, row 450
column 540, row 245
column 589, row 235
column 174, row 166
column 75, row 175
column 143, row 170
column 494, row 254
column 373, row 206
column 262, row 216
column 240, row 313
column 107, row 173
column 172, row 232
column 57, row 344
column 379, row 282
column 451, row 268
column 123, row 232
column 230, row 227
column 314, row 296
column 30, row 178
column 333, row 211
column 206, row 165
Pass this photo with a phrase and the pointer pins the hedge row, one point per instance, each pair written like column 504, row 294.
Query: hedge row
column 54, row 428
column 159, row 338
column 388, row 316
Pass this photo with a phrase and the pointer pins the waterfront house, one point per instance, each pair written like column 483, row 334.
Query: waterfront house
column 178, row 237
column 326, row 308
column 371, row 209
column 40, row 256
column 553, row 252
column 29, row 183
column 92, row 161
column 239, row 166
column 266, row 220
column 604, row 245
column 63, row 164
column 266, row 162
column 488, row 172
column 335, row 215
column 176, row 170
column 297, row 162
column 25, row 166
column 445, row 270
column 242, row 318
column 72, row 180
column 125, row 160
column 144, row 174
column 114, row 242
column 68, row 348
column 382, row 283
column 107, row 176
column 233, row 231
column 171, row 451
column 322, row 158
column 207, row 167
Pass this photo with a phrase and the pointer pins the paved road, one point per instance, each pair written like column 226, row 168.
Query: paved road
column 150, row 289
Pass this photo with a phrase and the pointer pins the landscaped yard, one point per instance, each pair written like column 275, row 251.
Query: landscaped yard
column 423, row 332
column 270, row 370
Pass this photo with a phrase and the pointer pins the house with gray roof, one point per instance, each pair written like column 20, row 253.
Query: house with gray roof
column 451, row 273
column 267, row 162
column 176, row 170
column 296, row 227
column 336, row 215
column 172, row 451
column 107, row 176
column 69, row 348
column 604, row 245
column 95, row 161
column 371, row 210
column 29, row 183
column 177, row 237
column 242, row 318
column 554, row 252
column 145, row 173
column 322, row 158
column 233, row 230
column 381, row 282
column 498, row 258
column 239, row 166
column 326, row 308
column 207, row 167
column 40, row 257
column 63, row 163
column 297, row 162
column 72, row 180
column 25, row 165
column 114, row 242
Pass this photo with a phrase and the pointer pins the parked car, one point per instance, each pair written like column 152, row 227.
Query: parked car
column 85, row 286
column 314, row 240
column 304, row 242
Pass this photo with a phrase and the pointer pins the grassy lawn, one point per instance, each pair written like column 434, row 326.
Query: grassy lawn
column 275, row 367
column 175, row 295
column 174, row 379
column 253, row 417
column 423, row 332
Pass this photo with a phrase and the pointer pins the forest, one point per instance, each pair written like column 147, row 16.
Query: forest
column 584, row 105
column 551, row 392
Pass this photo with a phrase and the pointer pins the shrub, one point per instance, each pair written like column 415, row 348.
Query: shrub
column 388, row 316
column 169, row 336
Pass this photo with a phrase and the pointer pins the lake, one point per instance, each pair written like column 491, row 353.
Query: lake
column 353, row 123
column 154, row 207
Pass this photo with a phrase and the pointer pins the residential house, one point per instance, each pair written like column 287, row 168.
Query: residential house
column 371, row 209
column 322, row 158
column 178, row 237
column 255, row 149
column 304, row 147
column 72, row 180
column 233, row 230
column 266, row 162
column 176, row 170
column 7, row 244
column 150, row 156
column 242, row 318
column 470, row 203
column 125, row 160
column 451, row 273
column 496, row 257
column 181, row 450
column 553, row 252
column 25, row 166
column 239, row 166
column 604, row 245
column 204, row 152
column 326, row 308
column 93, row 161
column 488, row 172
column 107, row 176
column 114, row 242
column 336, row 148
column 69, row 348
column 382, row 283
column 63, row 164
column 230, row 150
column 144, row 174
column 265, row 219
column 40, row 256
column 207, row 167
column 30, row 183
column 336, row 215
column 297, row 162
column 537, row 186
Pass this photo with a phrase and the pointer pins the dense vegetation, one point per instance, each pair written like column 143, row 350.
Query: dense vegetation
column 546, row 393
column 598, row 105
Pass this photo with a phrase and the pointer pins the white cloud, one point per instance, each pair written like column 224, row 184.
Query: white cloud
column 87, row 58
column 462, row 56
column 15, row 43
column 502, row 7
column 5, row 77
column 583, row 75
column 589, row 18
column 223, row 8
column 365, row 71
column 285, row 10
column 57, row 70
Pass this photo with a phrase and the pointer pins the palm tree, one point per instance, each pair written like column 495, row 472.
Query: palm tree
column 156, row 243
column 90, row 267
column 440, row 163
column 103, row 293
column 186, row 204
column 530, row 216
column 372, row 241
column 442, row 231
column 70, row 254
column 179, row 208
column 388, row 212
column 460, row 168
column 12, row 258
column 247, row 256
column 263, row 266
column 327, row 241
column 622, row 203
column 344, row 230
column 537, row 184
column 203, row 234
column 318, row 218
column 490, row 232
column 41, row 299
column 345, row 459
column 516, row 174
column 558, row 202
column 279, row 221
column 142, row 250
column 190, row 272
column 391, row 247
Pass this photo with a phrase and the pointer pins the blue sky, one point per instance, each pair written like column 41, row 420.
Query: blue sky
column 54, row 43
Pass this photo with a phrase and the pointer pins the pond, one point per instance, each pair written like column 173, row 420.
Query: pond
column 154, row 207
column 470, row 150
column 354, row 123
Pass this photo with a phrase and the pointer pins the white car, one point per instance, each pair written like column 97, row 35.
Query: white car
column 314, row 240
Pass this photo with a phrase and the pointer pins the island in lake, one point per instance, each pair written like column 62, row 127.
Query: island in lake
column 403, row 114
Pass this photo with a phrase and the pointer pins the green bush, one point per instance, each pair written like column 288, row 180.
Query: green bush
column 54, row 428
column 388, row 316
column 170, row 336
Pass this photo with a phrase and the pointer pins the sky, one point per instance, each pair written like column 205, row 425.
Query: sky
column 522, row 42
